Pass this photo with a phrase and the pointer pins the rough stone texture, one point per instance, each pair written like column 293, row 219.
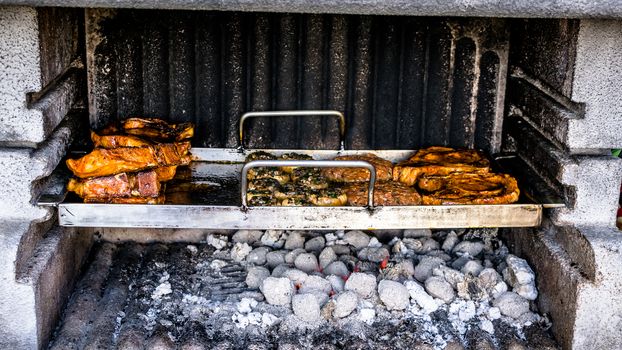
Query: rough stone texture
column 294, row 241
column 306, row 307
column 393, row 294
column 327, row 256
column 357, row 239
column 37, row 275
column 306, row 262
column 597, row 74
column 256, row 275
column 511, row 304
column 585, row 295
column 337, row 268
column 426, row 265
column 247, row 236
column 23, row 168
column 439, row 288
column 595, row 183
column 345, row 303
column 485, row 8
column 21, row 73
column 278, row 291
column 362, row 284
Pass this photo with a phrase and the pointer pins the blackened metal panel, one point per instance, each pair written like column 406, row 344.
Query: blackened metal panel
column 403, row 82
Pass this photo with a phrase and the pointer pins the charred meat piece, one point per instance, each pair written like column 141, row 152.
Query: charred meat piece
column 157, row 129
column 261, row 198
column 141, row 184
column 384, row 170
column 105, row 162
column 331, row 197
column 440, row 161
column 293, row 156
column 385, row 194
column 469, row 189
column 116, row 141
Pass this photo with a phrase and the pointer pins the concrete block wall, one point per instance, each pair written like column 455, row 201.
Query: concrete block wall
column 41, row 77
column 565, row 110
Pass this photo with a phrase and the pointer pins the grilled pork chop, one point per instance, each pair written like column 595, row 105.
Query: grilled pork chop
column 116, row 141
column 105, row 162
column 157, row 129
column 384, row 170
column 389, row 193
column 141, row 184
column 440, row 161
column 460, row 188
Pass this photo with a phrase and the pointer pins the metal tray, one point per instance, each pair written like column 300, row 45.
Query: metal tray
column 208, row 195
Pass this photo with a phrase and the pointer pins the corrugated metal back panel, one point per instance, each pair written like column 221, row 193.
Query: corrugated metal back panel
column 403, row 82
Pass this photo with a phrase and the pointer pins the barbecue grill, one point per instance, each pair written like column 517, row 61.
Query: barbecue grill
column 217, row 207
column 539, row 96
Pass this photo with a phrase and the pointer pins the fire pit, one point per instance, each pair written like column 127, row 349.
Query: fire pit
column 301, row 289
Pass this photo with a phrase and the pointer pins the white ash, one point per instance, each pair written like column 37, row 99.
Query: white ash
column 217, row 242
column 327, row 256
column 295, row 240
column 278, row 291
column 518, row 271
column 306, row 307
column 362, row 284
column 345, row 304
column 393, row 294
column 273, row 239
column 240, row 251
column 357, row 295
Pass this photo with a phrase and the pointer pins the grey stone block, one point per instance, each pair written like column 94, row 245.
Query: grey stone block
column 484, row 8
column 597, row 78
column 595, row 186
column 24, row 171
column 578, row 277
column 21, row 74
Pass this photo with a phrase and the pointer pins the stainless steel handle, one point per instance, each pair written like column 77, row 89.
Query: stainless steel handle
column 310, row 164
column 339, row 115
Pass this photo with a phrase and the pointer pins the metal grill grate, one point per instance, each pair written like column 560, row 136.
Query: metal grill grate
column 403, row 82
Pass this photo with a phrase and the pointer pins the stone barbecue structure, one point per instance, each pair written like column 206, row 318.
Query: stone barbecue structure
column 539, row 79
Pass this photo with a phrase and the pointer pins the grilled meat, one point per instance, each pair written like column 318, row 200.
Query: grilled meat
column 268, row 173
column 293, row 156
column 116, row 141
column 310, row 178
column 166, row 173
column 126, row 200
column 157, row 129
column 385, row 194
column 260, row 155
column 290, row 191
column 105, row 162
column 332, row 197
column 440, row 161
column 462, row 188
column 384, row 170
column 141, row 184
column 268, row 184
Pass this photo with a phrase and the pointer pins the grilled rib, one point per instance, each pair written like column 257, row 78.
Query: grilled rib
column 440, row 161
column 469, row 189
column 384, row 170
column 105, row 162
column 385, row 194
column 157, row 129
column 141, row 184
